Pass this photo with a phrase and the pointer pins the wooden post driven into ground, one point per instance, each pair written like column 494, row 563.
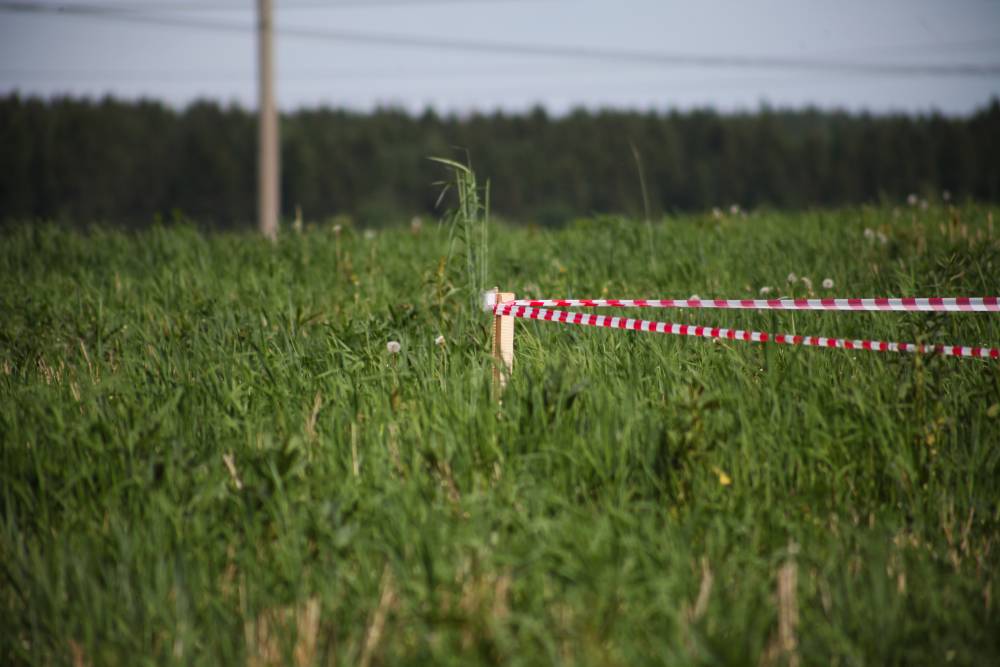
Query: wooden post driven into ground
column 503, row 343
column 268, row 203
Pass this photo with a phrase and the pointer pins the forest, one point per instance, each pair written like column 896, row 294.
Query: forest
column 135, row 163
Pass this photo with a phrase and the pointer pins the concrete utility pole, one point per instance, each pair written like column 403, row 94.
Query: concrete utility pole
column 268, row 204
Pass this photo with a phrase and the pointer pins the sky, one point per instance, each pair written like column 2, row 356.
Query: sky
column 462, row 56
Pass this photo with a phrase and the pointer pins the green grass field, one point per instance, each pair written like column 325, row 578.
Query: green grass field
column 209, row 456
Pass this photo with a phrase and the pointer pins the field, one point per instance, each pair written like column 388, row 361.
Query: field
column 210, row 457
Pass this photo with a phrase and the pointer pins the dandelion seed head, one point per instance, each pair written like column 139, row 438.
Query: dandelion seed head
column 393, row 347
column 808, row 283
column 792, row 278
column 765, row 290
column 439, row 341
column 869, row 233
column 827, row 283
column 911, row 199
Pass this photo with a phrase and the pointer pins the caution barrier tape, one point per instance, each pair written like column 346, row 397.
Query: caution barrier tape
column 520, row 309
column 925, row 304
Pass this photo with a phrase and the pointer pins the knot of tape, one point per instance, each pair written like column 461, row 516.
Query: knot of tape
column 489, row 300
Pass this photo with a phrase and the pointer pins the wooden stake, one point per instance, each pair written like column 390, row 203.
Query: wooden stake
column 503, row 343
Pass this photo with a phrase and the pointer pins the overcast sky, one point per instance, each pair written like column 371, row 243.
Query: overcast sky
column 623, row 54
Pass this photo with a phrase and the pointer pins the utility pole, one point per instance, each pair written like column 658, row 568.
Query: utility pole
column 268, row 204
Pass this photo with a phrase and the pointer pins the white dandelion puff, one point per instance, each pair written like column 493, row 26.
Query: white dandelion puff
column 792, row 278
column 694, row 297
column 393, row 347
column 911, row 199
column 439, row 341
column 869, row 233
column 808, row 283
column 827, row 283
column 765, row 290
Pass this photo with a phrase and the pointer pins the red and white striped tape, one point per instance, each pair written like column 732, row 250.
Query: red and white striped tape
column 516, row 309
column 932, row 304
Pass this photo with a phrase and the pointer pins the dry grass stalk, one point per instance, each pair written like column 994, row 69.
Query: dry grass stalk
column 783, row 646
column 692, row 613
column 448, row 483
column 788, row 611
column 484, row 601
column 95, row 376
column 227, row 458
column 311, row 420
column 77, row 655
column 386, row 601
column 266, row 635
column 704, row 590
column 355, row 463
column 958, row 545
column 50, row 374
column 501, row 597
column 397, row 461
column 307, row 630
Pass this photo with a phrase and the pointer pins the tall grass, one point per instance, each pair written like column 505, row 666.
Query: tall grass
column 469, row 222
column 207, row 454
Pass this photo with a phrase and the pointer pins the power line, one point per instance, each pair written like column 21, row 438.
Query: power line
column 533, row 77
column 585, row 53
column 522, row 72
column 161, row 7
column 302, row 74
column 648, row 57
column 977, row 43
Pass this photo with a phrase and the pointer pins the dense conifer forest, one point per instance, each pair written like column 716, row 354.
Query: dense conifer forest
column 133, row 163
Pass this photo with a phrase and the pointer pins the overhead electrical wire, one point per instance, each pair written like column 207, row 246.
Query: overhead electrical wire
column 182, row 6
column 586, row 53
column 347, row 75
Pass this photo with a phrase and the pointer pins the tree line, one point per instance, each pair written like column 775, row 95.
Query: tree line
column 132, row 163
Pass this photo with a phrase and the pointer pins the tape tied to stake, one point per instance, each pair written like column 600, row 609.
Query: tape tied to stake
column 924, row 304
column 527, row 309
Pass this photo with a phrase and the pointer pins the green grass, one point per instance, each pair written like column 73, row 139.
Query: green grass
column 638, row 499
